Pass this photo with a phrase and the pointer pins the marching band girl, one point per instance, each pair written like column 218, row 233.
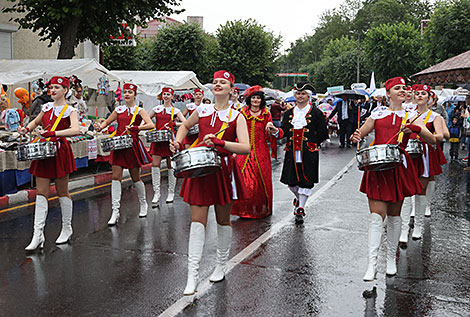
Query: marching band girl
column 165, row 116
column 129, row 118
column 59, row 121
column 190, row 108
column 226, row 184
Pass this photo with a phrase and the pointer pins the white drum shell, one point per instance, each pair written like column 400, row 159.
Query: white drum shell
column 196, row 162
column 414, row 147
column 36, row 151
column 379, row 157
column 116, row 143
column 158, row 136
column 194, row 130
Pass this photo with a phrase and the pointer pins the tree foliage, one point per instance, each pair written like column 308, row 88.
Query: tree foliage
column 74, row 21
column 247, row 50
column 394, row 50
column 448, row 32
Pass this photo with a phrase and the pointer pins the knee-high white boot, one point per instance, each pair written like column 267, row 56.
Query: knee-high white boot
column 375, row 238
column 224, row 239
column 393, row 234
column 40, row 214
column 171, row 186
column 413, row 209
column 429, row 193
column 66, row 207
column 115, row 202
column 197, row 235
column 405, row 220
column 420, row 207
column 156, row 185
column 140, row 188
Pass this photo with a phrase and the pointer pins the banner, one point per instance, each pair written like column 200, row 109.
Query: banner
column 335, row 89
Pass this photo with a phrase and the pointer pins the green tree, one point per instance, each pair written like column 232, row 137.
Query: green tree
column 248, row 51
column 448, row 32
column 393, row 50
column 128, row 57
column 183, row 47
column 74, row 21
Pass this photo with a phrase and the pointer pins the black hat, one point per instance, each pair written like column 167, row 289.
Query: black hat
column 303, row 85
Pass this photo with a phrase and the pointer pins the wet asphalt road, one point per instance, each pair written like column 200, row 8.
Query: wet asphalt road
column 138, row 268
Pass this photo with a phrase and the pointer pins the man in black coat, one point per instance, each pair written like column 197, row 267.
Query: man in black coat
column 304, row 126
column 346, row 118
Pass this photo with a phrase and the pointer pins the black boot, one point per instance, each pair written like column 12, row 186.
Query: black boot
column 299, row 215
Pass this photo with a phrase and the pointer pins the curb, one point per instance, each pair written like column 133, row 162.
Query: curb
column 29, row 195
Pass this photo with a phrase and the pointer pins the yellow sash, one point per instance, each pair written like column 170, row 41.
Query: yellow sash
column 56, row 123
column 132, row 121
column 403, row 123
column 221, row 134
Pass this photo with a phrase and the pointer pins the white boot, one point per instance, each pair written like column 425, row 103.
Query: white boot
column 171, row 186
column 197, row 236
column 413, row 209
column 115, row 202
column 405, row 220
column 40, row 214
column 429, row 193
column 156, row 186
column 374, row 240
column 393, row 234
column 224, row 239
column 66, row 207
column 140, row 188
column 420, row 207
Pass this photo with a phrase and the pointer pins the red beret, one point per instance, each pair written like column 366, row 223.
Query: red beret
column 130, row 87
column 393, row 82
column 57, row 80
column 236, row 89
column 168, row 89
column 408, row 88
column 421, row 87
column 225, row 75
column 252, row 90
column 199, row 90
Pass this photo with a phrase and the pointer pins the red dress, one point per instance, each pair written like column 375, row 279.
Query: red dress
column 227, row 184
column 162, row 117
column 64, row 162
column 256, row 169
column 137, row 155
column 190, row 139
column 395, row 184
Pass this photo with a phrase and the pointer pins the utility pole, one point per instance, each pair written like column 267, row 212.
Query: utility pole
column 358, row 74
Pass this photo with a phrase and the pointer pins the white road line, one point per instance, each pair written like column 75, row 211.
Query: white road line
column 205, row 285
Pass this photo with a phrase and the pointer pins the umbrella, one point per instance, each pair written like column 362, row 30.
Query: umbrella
column 349, row 94
column 324, row 107
column 290, row 99
column 455, row 98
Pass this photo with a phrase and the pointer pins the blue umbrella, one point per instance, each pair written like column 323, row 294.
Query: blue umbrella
column 290, row 99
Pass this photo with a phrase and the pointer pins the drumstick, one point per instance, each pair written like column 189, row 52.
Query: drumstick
column 39, row 136
column 220, row 131
column 358, row 123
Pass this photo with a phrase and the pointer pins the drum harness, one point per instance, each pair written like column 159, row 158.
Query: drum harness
column 56, row 123
column 132, row 121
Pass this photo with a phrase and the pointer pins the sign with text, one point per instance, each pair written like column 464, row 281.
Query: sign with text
column 335, row 89
column 125, row 39
column 292, row 74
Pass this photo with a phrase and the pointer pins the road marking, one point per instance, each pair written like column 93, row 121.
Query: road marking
column 72, row 194
column 205, row 285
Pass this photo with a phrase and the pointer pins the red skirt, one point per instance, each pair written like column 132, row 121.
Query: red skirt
column 55, row 167
column 442, row 158
column 418, row 164
column 392, row 185
column 434, row 160
column 160, row 148
column 215, row 189
column 134, row 157
column 189, row 139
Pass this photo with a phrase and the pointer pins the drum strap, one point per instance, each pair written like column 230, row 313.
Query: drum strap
column 223, row 127
column 427, row 118
column 132, row 121
column 56, row 123
column 403, row 123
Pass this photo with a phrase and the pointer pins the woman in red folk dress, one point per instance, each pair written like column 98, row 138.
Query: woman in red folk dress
column 190, row 108
column 59, row 121
column 129, row 119
column 386, row 189
column 225, row 185
column 256, row 167
column 165, row 118
column 428, row 165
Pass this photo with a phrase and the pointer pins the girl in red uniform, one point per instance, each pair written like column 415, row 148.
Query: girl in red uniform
column 190, row 108
column 225, row 185
column 165, row 116
column 58, row 167
column 386, row 189
column 132, row 158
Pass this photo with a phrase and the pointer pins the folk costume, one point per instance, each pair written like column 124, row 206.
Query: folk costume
column 191, row 107
column 55, row 118
column 164, row 119
column 134, row 157
column 305, row 128
column 256, row 167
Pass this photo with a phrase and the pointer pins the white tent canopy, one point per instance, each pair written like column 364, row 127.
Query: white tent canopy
column 22, row 71
column 152, row 82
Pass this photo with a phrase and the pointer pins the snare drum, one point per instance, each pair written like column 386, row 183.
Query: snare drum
column 159, row 136
column 379, row 157
column 116, row 143
column 196, row 162
column 194, row 129
column 36, row 151
column 414, row 148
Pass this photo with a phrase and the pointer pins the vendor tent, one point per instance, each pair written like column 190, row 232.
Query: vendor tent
column 152, row 82
column 22, row 71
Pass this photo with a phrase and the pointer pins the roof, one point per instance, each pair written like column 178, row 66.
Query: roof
column 461, row 61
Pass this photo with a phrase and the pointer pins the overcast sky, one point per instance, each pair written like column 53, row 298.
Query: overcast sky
column 291, row 19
